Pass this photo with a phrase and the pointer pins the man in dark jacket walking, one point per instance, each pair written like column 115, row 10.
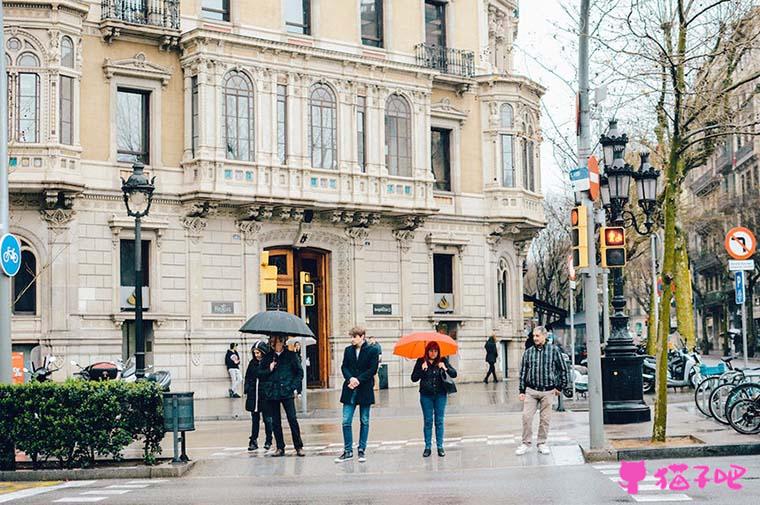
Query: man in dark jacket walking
column 359, row 369
column 254, row 403
column 232, row 362
column 491, row 355
column 281, row 375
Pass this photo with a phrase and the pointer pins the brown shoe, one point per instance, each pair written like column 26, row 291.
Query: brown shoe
column 300, row 452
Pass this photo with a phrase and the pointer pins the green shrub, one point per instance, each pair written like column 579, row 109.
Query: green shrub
column 76, row 421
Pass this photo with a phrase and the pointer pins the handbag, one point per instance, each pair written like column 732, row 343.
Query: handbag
column 448, row 384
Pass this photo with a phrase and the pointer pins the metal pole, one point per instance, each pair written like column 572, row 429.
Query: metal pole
column 606, row 303
column 744, row 330
column 139, row 336
column 303, row 363
column 653, row 247
column 6, row 367
column 591, row 290
column 572, row 331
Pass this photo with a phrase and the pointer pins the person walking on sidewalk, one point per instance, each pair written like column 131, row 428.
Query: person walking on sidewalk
column 359, row 368
column 491, row 355
column 232, row 361
column 253, row 401
column 281, row 375
column 431, row 371
column 543, row 374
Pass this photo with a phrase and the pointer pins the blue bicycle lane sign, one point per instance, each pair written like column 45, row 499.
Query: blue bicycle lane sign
column 10, row 255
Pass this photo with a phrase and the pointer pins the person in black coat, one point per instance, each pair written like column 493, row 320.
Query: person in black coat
column 360, row 361
column 253, row 401
column 281, row 375
column 491, row 355
column 430, row 372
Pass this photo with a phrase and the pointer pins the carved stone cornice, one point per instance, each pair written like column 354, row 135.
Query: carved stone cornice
column 57, row 219
column 256, row 213
column 410, row 222
column 358, row 235
column 249, row 230
column 201, row 208
column 194, row 225
column 354, row 218
column 138, row 66
column 404, row 238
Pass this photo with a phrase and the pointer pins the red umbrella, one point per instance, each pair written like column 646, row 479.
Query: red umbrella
column 413, row 345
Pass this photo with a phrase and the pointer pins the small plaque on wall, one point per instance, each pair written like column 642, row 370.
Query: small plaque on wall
column 222, row 307
column 382, row 309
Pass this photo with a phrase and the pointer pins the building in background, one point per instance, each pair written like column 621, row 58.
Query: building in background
column 384, row 146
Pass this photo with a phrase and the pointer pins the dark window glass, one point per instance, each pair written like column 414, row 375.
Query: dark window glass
column 503, row 308
column 28, row 107
column 525, row 164
column 298, row 16
column 531, row 168
column 194, row 106
column 440, row 158
column 132, row 129
column 398, row 137
column 67, row 110
column 282, row 123
column 281, row 262
column 127, row 262
column 435, row 23
column 361, row 124
column 238, row 117
column 25, row 285
column 372, row 22
column 218, row 10
column 507, row 162
column 323, row 127
column 443, row 277
column 278, row 300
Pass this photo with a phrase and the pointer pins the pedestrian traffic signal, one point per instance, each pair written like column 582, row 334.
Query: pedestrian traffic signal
column 613, row 247
column 579, row 233
column 307, row 290
column 267, row 274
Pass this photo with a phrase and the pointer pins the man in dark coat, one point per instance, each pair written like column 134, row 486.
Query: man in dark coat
column 281, row 374
column 254, row 403
column 491, row 355
column 359, row 369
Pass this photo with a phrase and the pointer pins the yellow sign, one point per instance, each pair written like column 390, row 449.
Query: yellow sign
column 267, row 275
column 528, row 310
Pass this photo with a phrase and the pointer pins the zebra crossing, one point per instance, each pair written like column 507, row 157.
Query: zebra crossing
column 103, row 493
column 649, row 491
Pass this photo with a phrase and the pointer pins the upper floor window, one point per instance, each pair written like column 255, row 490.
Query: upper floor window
column 440, row 158
column 282, row 123
column 435, row 23
column 27, row 110
column 66, row 106
column 25, row 283
column 218, row 10
column 298, row 16
column 238, row 117
column 398, row 138
column 372, row 22
column 361, row 128
column 132, row 125
column 323, row 127
column 506, row 116
column 503, row 288
column 67, row 52
column 194, row 113
column 507, row 161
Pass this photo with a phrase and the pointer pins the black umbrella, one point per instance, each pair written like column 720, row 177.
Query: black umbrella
column 276, row 322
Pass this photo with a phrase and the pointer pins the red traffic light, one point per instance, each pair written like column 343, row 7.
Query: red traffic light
column 614, row 237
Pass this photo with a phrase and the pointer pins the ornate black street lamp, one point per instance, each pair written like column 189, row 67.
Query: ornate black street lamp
column 138, row 195
column 621, row 366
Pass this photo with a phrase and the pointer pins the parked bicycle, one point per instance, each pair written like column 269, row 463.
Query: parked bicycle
column 744, row 416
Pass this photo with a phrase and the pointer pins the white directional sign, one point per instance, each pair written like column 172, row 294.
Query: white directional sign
column 579, row 179
column 739, row 265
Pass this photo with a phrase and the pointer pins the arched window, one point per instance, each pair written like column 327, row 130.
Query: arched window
column 67, row 52
column 398, row 141
column 28, row 99
column 28, row 60
column 531, row 180
column 506, row 116
column 238, row 117
column 25, row 283
column 323, row 127
column 503, row 289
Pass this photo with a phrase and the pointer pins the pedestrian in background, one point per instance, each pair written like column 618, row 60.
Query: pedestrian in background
column 359, row 368
column 253, row 401
column 281, row 374
column 491, row 354
column 543, row 374
column 232, row 361
column 431, row 371
column 379, row 349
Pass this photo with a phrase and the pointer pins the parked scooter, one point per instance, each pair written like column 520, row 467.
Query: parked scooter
column 683, row 370
column 161, row 377
column 47, row 365
column 576, row 376
column 118, row 370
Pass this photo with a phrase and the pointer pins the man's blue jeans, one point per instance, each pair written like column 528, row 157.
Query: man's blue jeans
column 433, row 406
column 348, row 418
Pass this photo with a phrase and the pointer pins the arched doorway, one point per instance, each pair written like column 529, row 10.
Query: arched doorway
column 290, row 262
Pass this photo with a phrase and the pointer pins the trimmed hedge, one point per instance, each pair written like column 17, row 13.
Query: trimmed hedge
column 75, row 421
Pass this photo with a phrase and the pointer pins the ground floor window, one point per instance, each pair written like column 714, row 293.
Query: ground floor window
column 443, row 282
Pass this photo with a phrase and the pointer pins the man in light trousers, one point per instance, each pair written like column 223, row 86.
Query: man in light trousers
column 543, row 375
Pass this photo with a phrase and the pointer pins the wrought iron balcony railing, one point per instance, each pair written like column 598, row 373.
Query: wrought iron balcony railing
column 159, row 13
column 447, row 60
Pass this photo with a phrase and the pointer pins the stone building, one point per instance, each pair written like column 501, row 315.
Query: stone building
column 384, row 146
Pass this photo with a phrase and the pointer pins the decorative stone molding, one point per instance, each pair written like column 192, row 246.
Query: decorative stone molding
column 139, row 67
column 434, row 240
column 194, row 225
column 358, row 235
column 57, row 219
column 404, row 238
column 117, row 223
column 352, row 219
column 411, row 222
column 249, row 230
column 444, row 109
column 256, row 213
column 200, row 208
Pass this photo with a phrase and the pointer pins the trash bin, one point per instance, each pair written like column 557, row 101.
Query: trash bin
column 382, row 376
column 185, row 417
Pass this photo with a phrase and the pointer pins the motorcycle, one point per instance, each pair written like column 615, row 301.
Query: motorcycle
column 118, row 370
column 42, row 373
column 683, row 370
column 576, row 376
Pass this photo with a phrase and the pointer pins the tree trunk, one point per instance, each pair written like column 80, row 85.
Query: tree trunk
column 651, row 328
column 684, row 300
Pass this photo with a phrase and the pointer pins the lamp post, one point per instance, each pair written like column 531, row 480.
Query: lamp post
column 621, row 366
column 138, row 195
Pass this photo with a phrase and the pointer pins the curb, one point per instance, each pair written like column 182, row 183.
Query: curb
column 688, row 451
column 127, row 472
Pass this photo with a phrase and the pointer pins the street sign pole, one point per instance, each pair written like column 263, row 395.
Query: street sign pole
column 739, row 281
column 303, row 363
column 572, row 330
column 6, row 367
column 744, row 334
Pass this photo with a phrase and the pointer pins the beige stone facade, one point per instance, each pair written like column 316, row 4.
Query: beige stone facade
column 316, row 146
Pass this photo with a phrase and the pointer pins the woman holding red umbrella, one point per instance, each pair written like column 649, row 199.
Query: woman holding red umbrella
column 433, row 372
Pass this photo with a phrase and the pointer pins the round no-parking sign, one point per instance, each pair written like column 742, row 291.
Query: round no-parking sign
column 740, row 243
column 10, row 255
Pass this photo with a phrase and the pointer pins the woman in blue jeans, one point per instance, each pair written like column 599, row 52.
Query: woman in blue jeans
column 430, row 372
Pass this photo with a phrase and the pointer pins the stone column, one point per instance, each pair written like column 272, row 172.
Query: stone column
column 249, row 231
column 63, row 268
column 358, row 235
column 404, row 239
column 194, row 227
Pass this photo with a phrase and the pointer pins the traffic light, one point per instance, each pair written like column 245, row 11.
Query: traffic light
column 307, row 290
column 267, row 274
column 613, row 247
column 579, row 233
